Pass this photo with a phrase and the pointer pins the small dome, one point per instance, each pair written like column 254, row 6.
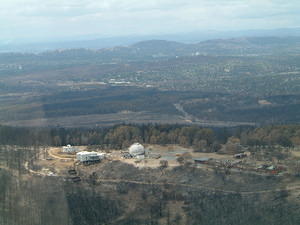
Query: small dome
column 136, row 149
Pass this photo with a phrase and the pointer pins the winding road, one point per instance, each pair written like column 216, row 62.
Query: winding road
column 189, row 118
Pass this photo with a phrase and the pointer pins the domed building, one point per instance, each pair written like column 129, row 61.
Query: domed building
column 136, row 149
column 69, row 149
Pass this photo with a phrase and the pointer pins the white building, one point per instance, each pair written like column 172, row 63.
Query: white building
column 136, row 150
column 69, row 149
column 89, row 156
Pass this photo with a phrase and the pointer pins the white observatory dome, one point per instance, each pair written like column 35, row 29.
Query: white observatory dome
column 136, row 149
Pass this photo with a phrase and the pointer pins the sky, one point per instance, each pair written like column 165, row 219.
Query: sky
column 61, row 19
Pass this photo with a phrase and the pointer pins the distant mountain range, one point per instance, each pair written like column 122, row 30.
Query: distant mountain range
column 159, row 49
column 234, row 46
column 98, row 43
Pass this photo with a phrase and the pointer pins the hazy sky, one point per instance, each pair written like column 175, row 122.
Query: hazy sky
column 66, row 18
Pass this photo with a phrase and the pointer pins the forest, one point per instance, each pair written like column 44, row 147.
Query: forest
column 117, row 137
column 122, row 136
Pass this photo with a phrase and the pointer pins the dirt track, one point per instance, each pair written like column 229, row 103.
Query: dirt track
column 53, row 152
column 199, row 187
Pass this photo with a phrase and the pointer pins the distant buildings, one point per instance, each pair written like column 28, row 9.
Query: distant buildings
column 86, row 157
column 69, row 149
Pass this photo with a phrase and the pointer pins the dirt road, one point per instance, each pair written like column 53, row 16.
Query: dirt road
column 212, row 123
column 54, row 153
column 209, row 189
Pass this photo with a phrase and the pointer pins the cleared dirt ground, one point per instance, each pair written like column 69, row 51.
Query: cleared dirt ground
column 58, row 163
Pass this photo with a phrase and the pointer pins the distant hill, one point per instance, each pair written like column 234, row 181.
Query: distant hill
column 154, row 49
column 159, row 45
column 233, row 46
column 251, row 45
column 95, row 42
